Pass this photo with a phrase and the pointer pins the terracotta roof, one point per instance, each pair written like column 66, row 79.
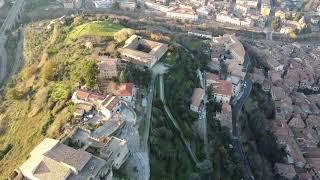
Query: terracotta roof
column 277, row 93
column 306, row 137
column 285, row 170
column 88, row 96
column 220, row 87
column 82, row 95
column 125, row 89
column 304, row 176
column 213, row 77
column 311, row 152
column 197, row 96
column 313, row 121
column 183, row 10
column 275, row 77
column 296, row 121
column 280, row 129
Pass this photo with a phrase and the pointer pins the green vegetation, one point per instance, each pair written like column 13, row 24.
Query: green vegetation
column 275, row 24
column 168, row 157
column 131, row 73
column 259, row 144
column 224, row 163
column 95, row 28
column 141, row 127
column 180, row 81
column 36, row 103
column 11, row 46
column 171, row 55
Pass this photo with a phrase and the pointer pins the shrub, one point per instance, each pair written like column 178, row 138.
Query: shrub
column 123, row 35
column 48, row 72
column 85, row 73
column 59, row 92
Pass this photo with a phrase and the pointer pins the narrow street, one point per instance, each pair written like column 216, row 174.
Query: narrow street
column 19, row 56
column 268, row 27
column 236, row 108
column 137, row 165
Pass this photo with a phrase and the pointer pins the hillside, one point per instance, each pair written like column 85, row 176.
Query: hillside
column 35, row 104
column 95, row 28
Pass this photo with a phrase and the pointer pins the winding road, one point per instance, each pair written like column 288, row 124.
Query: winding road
column 236, row 108
column 9, row 22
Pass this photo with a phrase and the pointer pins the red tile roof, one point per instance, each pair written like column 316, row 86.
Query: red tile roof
column 87, row 96
column 212, row 77
column 125, row 89
column 220, row 87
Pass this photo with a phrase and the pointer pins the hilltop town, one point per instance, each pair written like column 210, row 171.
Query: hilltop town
column 101, row 89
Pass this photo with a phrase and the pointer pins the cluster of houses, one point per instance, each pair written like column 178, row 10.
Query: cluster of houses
column 91, row 149
column 227, row 50
column 292, row 80
column 244, row 13
column 100, row 4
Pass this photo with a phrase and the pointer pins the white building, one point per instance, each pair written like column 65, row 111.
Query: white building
column 183, row 13
column 110, row 106
column 156, row 6
column 248, row 3
column 102, row 4
column 117, row 150
column 54, row 160
column 107, row 105
column 203, row 11
column 225, row 18
column 70, row 4
column 126, row 91
column 197, row 98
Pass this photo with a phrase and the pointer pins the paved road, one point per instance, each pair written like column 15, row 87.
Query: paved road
column 19, row 58
column 7, row 25
column 139, row 159
column 3, row 58
column 148, row 114
column 236, row 108
column 268, row 28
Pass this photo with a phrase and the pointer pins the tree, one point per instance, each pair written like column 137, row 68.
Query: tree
column 223, row 70
column 292, row 35
column 122, row 77
column 275, row 24
column 85, row 72
column 77, row 21
column 49, row 71
column 59, row 92
column 123, row 35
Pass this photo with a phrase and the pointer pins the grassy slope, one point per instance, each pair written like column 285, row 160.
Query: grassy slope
column 103, row 28
column 17, row 127
column 23, row 133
